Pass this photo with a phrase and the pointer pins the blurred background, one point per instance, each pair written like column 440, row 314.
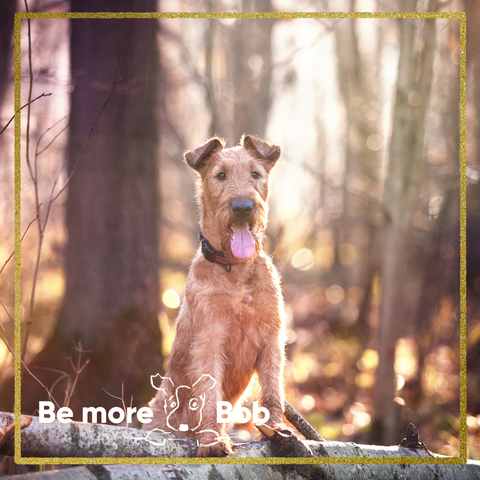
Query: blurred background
column 365, row 202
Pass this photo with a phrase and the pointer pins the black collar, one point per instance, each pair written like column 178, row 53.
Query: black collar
column 212, row 255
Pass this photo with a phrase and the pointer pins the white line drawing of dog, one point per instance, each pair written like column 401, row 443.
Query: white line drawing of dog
column 173, row 403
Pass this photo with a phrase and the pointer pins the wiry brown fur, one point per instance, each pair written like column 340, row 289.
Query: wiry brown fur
column 231, row 323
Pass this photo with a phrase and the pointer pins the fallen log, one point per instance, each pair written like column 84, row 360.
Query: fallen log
column 82, row 440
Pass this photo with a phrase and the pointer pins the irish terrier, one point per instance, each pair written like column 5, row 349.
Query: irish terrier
column 231, row 322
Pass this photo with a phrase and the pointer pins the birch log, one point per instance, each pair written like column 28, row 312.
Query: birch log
column 96, row 440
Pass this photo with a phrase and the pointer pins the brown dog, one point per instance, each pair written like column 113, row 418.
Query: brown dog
column 231, row 322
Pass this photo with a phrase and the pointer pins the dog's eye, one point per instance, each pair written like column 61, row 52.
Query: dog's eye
column 221, row 176
column 193, row 404
column 173, row 405
column 255, row 175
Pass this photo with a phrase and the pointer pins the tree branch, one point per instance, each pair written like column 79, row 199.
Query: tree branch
column 26, row 105
column 300, row 423
column 23, row 236
column 52, row 199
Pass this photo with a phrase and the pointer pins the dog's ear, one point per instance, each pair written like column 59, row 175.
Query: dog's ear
column 264, row 150
column 198, row 157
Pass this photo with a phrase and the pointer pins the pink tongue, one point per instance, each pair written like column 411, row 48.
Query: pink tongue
column 243, row 245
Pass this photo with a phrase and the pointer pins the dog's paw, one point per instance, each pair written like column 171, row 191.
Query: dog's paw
column 222, row 448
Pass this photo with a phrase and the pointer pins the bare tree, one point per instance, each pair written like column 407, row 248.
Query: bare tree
column 250, row 71
column 358, row 84
column 402, row 187
column 240, row 102
column 111, row 261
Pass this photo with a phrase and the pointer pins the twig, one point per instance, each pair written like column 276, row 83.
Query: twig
column 321, row 177
column 27, row 148
column 51, row 200
column 5, row 264
column 122, row 399
column 300, row 423
column 41, row 230
column 37, row 153
column 29, row 371
column 33, row 175
column 26, row 105
column 78, row 370
column 13, row 253
column 59, row 379
column 6, row 311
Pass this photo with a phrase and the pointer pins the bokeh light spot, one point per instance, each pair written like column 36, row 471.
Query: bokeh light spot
column 303, row 259
column 308, row 402
column 171, row 299
column 348, row 429
column 375, row 142
column 335, row 294
column 414, row 99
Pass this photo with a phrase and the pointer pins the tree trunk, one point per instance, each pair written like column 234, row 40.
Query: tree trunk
column 402, row 187
column 7, row 10
column 473, row 55
column 358, row 84
column 111, row 260
column 88, row 441
column 250, row 70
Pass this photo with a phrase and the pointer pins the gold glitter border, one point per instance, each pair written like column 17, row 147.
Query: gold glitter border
column 461, row 459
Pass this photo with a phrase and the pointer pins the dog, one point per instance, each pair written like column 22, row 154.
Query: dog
column 231, row 323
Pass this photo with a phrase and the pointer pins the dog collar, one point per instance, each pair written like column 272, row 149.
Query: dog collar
column 212, row 255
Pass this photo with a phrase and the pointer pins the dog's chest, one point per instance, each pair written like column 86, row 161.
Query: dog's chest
column 253, row 317
column 244, row 302
column 244, row 306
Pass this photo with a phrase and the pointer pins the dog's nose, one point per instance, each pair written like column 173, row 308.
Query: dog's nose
column 183, row 427
column 242, row 208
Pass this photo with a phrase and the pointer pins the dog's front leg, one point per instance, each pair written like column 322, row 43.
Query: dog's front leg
column 270, row 373
column 209, row 369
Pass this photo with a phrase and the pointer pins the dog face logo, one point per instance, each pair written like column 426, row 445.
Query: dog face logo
column 183, row 398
